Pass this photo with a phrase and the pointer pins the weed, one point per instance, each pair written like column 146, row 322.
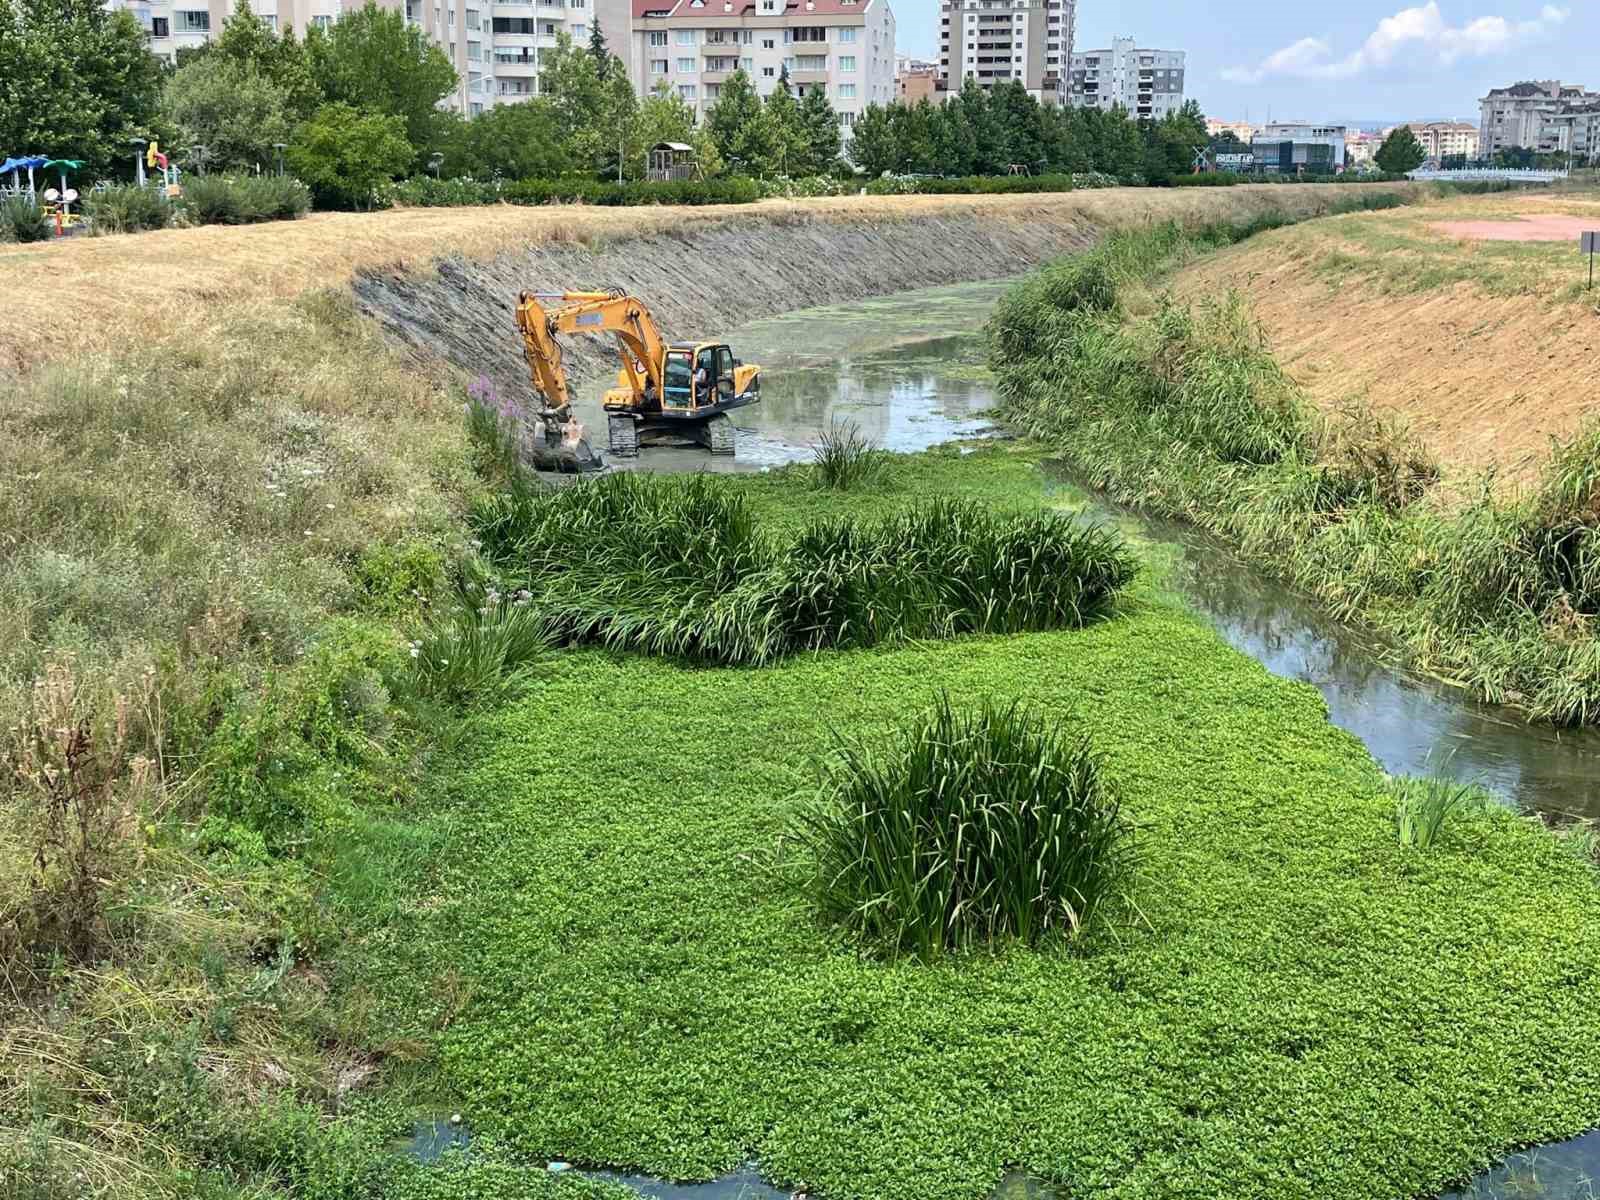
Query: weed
column 968, row 829
column 1422, row 806
column 127, row 209
column 23, row 220
column 479, row 649
column 844, row 459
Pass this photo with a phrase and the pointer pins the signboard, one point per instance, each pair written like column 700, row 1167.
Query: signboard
column 1590, row 243
column 1236, row 160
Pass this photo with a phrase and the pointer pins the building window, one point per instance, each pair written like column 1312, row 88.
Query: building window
column 686, row 66
column 475, row 108
column 579, row 32
column 322, row 22
column 811, row 62
column 474, row 51
column 713, row 90
column 847, row 119
column 767, row 44
column 749, row 37
column 684, row 37
column 686, row 91
column 657, row 37
column 847, row 91
column 747, row 65
column 847, row 33
column 160, row 27
column 194, row 21
column 847, row 62
column 658, row 66
column 473, row 21
column 768, row 72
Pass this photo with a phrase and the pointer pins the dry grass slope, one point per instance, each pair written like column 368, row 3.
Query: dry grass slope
column 183, row 283
column 1485, row 349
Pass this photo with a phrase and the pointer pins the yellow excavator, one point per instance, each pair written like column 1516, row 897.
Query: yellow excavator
column 685, row 389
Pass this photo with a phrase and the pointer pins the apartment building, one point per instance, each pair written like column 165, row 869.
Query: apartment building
column 1443, row 139
column 1243, row 130
column 995, row 41
column 1147, row 83
column 844, row 48
column 1522, row 116
column 495, row 46
column 915, row 80
column 1577, row 130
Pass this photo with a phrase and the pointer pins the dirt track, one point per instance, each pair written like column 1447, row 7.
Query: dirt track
column 181, row 284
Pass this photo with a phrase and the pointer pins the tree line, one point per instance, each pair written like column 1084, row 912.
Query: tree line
column 353, row 105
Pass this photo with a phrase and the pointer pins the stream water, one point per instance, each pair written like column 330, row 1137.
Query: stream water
column 908, row 371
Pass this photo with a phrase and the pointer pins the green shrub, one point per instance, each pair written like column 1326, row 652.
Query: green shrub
column 676, row 566
column 843, row 458
column 213, row 200
column 965, row 830
column 244, row 199
column 908, row 185
column 127, row 209
column 23, row 220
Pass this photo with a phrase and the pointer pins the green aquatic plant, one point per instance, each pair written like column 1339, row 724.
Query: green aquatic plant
column 966, row 829
column 1423, row 805
column 676, row 566
column 844, row 459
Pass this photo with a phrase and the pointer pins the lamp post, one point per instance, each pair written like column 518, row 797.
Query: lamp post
column 199, row 154
column 139, row 144
column 279, row 147
column 435, row 161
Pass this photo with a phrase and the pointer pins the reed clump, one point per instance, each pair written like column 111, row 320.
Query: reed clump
column 677, row 566
column 966, row 829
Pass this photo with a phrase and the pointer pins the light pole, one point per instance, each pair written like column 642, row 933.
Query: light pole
column 199, row 153
column 139, row 144
column 435, row 161
column 279, row 147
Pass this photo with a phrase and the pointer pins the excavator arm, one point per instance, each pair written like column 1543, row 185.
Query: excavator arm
column 639, row 343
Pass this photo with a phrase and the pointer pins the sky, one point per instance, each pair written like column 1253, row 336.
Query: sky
column 1344, row 60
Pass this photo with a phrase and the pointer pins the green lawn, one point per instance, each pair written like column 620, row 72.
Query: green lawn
column 1310, row 1009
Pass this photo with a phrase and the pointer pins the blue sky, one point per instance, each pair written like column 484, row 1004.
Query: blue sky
column 1352, row 60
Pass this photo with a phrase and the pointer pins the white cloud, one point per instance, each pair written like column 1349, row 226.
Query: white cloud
column 1412, row 35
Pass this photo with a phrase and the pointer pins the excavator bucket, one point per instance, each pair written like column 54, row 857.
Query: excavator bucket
column 571, row 454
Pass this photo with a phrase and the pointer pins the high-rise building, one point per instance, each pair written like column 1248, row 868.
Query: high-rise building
column 844, row 48
column 1522, row 116
column 995, row 41
column 495, row 46
column 1446, row 139
column 915, row 80
column 1147, row 83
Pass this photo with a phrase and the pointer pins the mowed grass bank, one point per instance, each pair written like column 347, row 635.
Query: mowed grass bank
column 1307, row 1009
column 1485, row 349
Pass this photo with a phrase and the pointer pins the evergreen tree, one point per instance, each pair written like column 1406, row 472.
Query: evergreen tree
column 872, row 141
column 821, row 124
column 623, row 151
column 786, row 146
column 733, row 122
column 1400, row 152
column 597, row 48
column 955, row 145
column 570, row 79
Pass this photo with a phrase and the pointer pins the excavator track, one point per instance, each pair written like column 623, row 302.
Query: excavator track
column 623, row 435
column 721, row 436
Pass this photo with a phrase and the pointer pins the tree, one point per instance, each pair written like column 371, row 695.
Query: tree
column 343, row 154
column 786, row 149
column 509, row 141
column 373, row 59
column 1400, row 152
column 570, row 79
column 619, row 122
column 76, row 81
column 872, row 142
column 732, row 122
column 821, row 125
column 235, row 111
column 597, row 48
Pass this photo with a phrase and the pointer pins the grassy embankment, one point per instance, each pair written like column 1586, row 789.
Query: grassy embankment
column 1484, row 349
column 298, row 877
column 1180, row 407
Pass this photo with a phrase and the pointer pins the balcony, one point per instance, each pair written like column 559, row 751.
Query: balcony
column 808, row 76
column 516, row 68
column 710, row 77
column 525, row 12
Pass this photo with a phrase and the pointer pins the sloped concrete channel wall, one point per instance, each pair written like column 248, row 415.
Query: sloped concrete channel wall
column 713, row 274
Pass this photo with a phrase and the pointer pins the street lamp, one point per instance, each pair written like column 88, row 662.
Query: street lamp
column 139, row 144
column 279, row 146
column 435, row 161
column 199, row 154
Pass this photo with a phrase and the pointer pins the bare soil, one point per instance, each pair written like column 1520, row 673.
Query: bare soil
column 1525, row 227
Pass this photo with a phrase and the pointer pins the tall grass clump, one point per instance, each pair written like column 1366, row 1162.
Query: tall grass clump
column 966, row 829
column 843, row 458
column 1423, row 805
column 479, row 647
column 23, row 220
column 676, row 566
column 127, row 209
column 244, row 199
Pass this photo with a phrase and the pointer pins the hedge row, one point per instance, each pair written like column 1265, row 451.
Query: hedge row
column 426, row 192
column 974, row 185
column 206, row 200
